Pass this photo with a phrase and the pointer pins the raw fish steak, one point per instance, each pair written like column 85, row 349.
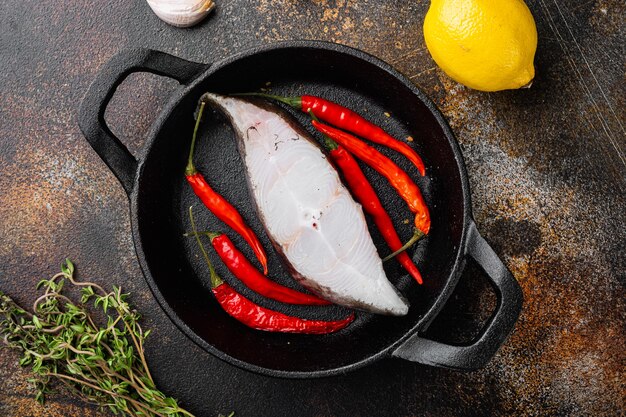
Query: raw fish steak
column 309, row 215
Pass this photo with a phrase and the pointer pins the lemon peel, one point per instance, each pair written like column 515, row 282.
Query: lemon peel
column 485, row 45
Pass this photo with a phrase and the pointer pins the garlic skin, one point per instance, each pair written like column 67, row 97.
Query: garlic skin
column 181, row 13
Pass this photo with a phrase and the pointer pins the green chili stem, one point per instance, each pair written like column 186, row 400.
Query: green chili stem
column 416, row 236
column 215, row 279
column 191, row 169
column 210, row 235
column 295, row 102
column 330, row 144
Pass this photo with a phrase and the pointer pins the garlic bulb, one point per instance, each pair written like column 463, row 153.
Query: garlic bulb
column 181, row 13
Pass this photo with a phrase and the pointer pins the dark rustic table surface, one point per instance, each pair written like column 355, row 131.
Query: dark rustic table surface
column 546, row 166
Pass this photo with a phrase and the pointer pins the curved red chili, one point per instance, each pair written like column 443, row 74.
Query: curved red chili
column 365, row 194
column 399, row 179
column 257, row 317
column 261, row 318
column 240, row 267
column 348, row 120
column 218, row 205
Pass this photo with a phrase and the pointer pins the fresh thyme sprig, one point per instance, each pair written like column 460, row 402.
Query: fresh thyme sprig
column 63, row 340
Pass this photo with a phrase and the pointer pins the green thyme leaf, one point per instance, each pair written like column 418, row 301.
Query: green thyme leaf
column 63, row 341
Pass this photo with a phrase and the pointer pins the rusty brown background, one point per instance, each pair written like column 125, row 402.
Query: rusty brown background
column 546, row 165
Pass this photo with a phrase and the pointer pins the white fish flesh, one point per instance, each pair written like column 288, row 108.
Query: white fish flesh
column 309, row 215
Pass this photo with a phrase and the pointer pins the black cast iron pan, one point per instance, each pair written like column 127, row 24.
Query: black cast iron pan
column 159, row 198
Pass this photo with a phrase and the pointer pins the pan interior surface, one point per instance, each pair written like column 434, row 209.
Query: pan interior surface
column 175, row 264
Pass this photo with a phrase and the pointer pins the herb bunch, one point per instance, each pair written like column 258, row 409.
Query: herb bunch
column 94, row 347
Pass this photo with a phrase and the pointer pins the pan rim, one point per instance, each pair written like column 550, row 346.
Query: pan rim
column 183, row 91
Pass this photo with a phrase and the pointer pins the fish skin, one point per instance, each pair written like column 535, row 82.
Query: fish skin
column 266, row 136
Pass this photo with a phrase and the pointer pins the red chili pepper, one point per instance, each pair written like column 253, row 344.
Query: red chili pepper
column 365, row 194
column 261, row 318
column 346, row 119
column 240, row 267
column 399, row 179
column 218, row 205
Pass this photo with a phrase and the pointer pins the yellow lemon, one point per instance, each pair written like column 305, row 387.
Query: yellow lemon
column 487, row 45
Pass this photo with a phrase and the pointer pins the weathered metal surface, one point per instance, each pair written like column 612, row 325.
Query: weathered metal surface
column 546, row 167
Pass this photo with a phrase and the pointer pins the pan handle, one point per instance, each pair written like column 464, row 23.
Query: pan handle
column 91, row 113
column 484, row 347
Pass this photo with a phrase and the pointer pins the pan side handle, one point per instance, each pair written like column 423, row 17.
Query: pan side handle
column 91, row 113
column 477, row 354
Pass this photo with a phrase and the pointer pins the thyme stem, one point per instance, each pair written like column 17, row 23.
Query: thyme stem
column 106, row 364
